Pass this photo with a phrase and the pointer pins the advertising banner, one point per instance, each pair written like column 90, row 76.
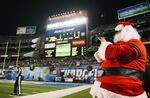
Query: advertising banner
column 46, row 74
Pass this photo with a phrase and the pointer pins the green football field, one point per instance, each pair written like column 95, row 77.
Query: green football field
column 82, row 94
column 7, row 88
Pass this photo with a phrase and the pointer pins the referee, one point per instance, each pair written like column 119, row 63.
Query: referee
column 17, row 84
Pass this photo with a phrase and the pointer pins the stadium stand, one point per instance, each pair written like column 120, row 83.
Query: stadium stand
column 32, row 49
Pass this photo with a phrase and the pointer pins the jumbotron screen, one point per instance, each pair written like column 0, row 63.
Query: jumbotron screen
column 135, row 10
column 68, row 41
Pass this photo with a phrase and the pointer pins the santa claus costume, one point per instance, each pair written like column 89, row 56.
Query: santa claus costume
column 123, row 64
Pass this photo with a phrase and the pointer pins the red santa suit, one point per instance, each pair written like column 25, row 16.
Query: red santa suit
column 127, row 54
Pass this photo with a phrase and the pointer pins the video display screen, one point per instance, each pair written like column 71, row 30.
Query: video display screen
column 70, row 41
column 63, row 50
column 134, row 10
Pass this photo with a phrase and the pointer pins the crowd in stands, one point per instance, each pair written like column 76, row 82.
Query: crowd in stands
column 77, row 61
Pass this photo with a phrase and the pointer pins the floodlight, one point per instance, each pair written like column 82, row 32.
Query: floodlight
column 68, row 23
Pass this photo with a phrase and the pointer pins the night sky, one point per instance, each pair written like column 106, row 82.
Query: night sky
column 15, row 13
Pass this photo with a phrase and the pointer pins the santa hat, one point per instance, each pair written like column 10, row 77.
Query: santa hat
column 121, row 25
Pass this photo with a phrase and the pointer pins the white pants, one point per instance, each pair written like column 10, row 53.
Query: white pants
column 97, row 91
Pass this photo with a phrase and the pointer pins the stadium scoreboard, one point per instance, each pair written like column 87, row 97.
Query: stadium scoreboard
column 66, row 40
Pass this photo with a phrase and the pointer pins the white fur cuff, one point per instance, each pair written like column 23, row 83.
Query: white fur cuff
column 102, row 49
column 96, row 55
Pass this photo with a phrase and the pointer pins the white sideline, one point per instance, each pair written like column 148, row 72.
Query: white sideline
column 58, row 93
column 51, row 94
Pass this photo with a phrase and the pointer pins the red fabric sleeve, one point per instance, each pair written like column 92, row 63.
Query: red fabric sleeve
column 122, row 52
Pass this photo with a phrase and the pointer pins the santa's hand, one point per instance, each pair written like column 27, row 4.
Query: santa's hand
column 102, row 39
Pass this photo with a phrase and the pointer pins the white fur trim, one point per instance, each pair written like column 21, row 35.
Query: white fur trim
column 95, row 88
column 119, row 27
column 97, row 57
column 102, row 49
